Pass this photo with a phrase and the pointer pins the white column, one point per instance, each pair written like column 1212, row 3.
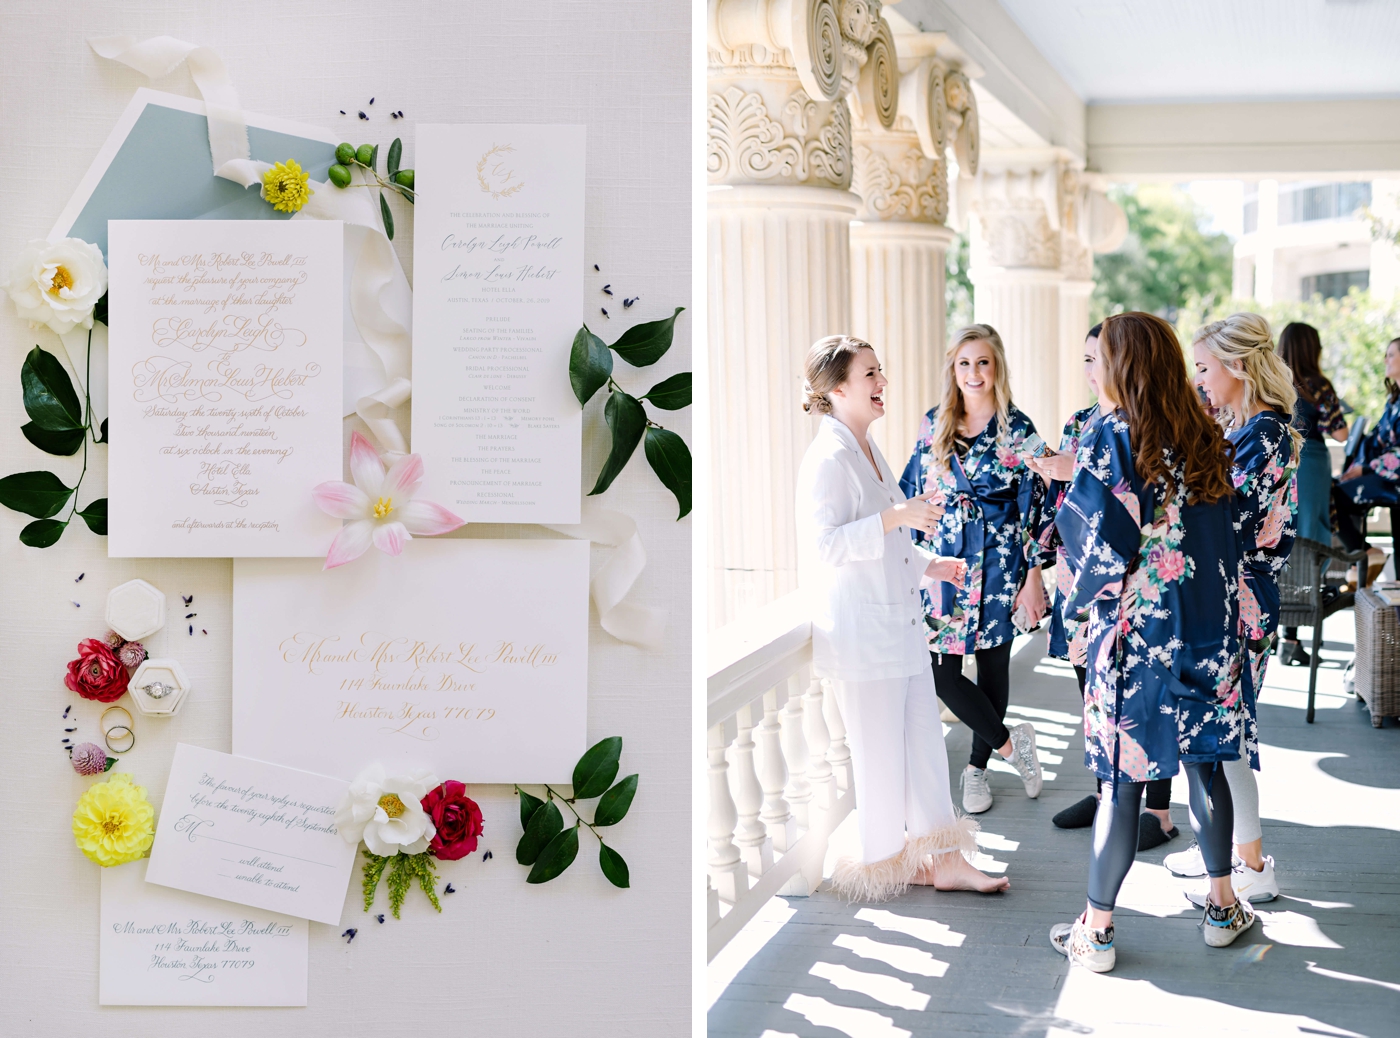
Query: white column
column 778, row 161
column 1023, row 305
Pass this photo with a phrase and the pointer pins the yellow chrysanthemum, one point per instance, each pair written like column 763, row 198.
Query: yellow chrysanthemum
column 284, row 186
column 114, row 823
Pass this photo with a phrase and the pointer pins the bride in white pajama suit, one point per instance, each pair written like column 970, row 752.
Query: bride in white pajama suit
column 863, row 573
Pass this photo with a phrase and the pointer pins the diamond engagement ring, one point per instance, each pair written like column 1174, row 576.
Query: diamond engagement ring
column 157, row 689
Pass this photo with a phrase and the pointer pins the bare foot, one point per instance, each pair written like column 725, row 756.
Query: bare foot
column 954, row 872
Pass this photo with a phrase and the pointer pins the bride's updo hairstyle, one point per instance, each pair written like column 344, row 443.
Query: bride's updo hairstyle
column 1145, row 374
column 828, row 364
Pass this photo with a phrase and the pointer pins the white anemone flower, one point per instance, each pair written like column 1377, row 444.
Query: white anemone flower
column 57, row 283
column 386, row 811
column 379, row 505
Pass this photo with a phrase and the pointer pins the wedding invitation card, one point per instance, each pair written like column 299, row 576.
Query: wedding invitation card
column 468, row 657
column 164, row 947
column 497, row 299
column 224, row 386
column 253, row 833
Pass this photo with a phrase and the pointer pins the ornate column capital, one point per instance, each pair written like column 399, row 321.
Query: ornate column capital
column 779, row 71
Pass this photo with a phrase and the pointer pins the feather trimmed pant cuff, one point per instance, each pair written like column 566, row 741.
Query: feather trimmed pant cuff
column 887, row 879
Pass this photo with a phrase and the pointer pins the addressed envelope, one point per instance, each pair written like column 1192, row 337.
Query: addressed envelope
column 468, row 657
column 253, row 833
column 164, row 947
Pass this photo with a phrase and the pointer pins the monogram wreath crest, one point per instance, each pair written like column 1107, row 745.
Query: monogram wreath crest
column 501, row 191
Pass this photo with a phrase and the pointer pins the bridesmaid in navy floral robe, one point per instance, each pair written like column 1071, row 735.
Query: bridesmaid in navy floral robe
column 1373, row 478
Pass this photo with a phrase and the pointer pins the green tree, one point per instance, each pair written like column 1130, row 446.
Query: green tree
column 1167, row 262
column 959, row 286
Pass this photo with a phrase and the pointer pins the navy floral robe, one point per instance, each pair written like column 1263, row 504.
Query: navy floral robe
column 993, row 502
column 1066, row 642
column 1156, row 581
column 1379, row 454
column 1266, row 498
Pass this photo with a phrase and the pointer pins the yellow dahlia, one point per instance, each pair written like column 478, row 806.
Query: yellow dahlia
column 284, row 186
column 114, row 823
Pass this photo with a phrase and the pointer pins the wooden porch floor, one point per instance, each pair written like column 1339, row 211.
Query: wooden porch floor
column 1325, row 958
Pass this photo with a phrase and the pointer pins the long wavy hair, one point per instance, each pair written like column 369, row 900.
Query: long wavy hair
column 1244, row 345
column 1300, row 347
column 1144, row 373
column 1392, row 391
column 951, row 410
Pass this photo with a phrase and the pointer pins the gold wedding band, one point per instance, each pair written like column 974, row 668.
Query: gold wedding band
column 129, row 738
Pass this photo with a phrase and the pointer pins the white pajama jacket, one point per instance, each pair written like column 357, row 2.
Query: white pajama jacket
column 867, row 637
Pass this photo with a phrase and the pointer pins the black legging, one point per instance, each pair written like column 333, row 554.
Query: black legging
column 1159, row 791
column 980, row 705
column 1116, row 831
column 1351, row 520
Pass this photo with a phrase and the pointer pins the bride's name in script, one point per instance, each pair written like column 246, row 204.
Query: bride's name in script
column 500, row 245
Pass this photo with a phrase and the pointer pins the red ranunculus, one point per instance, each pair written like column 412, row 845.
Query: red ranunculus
column 457, row 819
column 97, row 673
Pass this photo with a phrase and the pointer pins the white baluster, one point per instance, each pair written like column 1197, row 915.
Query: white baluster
column 752, row 836
column 773, row 774
column 727, row 870
column 818, row 741
column 839, row 755
column 798, row 790
column 711, row 903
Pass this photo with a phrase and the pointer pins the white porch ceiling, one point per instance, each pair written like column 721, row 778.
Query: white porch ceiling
column 1173, row 51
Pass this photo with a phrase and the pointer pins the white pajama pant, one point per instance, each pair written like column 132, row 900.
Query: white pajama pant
column 899, row 761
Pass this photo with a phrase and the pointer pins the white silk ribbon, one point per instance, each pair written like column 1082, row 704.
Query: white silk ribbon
column 615, row 578
column 381, row 303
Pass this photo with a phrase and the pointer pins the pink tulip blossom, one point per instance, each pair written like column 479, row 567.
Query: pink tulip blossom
column 379, row 505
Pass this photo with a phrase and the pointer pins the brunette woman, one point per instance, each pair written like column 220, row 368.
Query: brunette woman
column 971, row 455
column 1373, row 478
column 863, row 575
column 1317, row 413
column 1148, row 525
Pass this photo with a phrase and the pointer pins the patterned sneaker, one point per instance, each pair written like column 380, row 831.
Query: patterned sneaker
column 1092, row 949
column 1025, row 759
column 1248, row 884
column 977, row 795
column 1223, row 925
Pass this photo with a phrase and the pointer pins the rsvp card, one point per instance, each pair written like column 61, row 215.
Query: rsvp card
column 163, row 947
column 224, row 391
column 466, row 657
column 497, row 299
column 253, row 833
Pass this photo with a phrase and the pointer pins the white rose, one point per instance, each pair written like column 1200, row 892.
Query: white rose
column 386, row 811
column 58, row 283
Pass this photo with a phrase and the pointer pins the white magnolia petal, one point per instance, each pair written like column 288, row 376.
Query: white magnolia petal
column 404, row 477
column 342, row 500
column 353, row 541
column 365, row 467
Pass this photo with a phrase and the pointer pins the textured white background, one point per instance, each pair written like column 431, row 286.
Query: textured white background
column 572, row 957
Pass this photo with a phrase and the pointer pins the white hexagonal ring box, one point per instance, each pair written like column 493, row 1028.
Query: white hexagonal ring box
column 136, row 610
column 159, row 687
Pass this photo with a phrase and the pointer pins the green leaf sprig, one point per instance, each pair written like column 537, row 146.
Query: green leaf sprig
column 403, row 870
column 547, row 847
column 591, row 368
column 61, row 425
column 366, row 157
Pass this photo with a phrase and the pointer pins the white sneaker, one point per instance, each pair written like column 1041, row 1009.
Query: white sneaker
column 977, row 795
column 1092, row 949
column 1248, row 884
column 1222, row 925
column 1025, row 760
column 1191, row 864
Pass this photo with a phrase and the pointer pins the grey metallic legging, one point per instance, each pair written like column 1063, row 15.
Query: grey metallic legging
column 1116, row 830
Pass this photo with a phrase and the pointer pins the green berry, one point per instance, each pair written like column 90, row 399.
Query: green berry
column 340, row 176
column 345, row 154
column 364, row 154
column 404, row 177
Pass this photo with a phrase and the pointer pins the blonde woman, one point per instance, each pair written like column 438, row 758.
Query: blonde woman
column 971, row 454
column 1252, row 388
column 863, row 575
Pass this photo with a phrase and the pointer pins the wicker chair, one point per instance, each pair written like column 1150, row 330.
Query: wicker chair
column 1301, row 602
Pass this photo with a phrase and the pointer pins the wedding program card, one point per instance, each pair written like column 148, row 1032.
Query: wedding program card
column 164, row 947
column 497, row 300
column 224, row 389
column 253, row 833
column 466, row 657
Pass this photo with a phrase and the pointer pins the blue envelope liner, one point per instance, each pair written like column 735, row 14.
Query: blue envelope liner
column 164, row 171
